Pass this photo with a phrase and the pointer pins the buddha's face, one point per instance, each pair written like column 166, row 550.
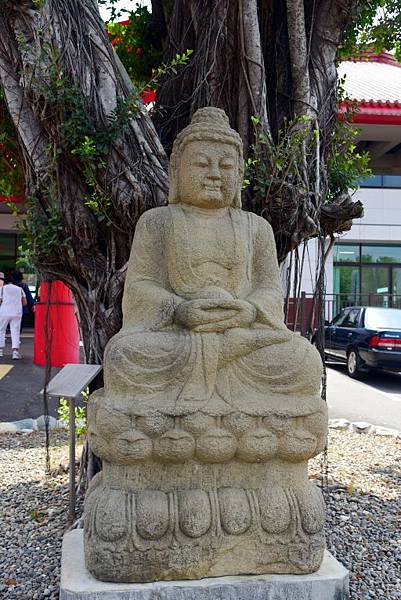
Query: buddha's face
column 208, row 174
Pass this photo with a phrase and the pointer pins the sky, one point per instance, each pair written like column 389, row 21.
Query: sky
column 127, row 4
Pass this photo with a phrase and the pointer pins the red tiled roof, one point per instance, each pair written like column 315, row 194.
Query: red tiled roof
column 374, row 82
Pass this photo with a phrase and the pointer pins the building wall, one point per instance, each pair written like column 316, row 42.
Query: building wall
column 381, row 222
column 7, row 223
column 310, row 266
column 382, row 216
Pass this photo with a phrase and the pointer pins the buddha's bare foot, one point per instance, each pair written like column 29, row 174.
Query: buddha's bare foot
column 239, row 342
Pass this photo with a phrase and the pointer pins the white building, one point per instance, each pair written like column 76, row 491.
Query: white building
column 365, row 265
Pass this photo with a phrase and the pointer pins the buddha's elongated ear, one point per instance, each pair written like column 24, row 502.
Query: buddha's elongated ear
column 237, row 202
column 173, row 192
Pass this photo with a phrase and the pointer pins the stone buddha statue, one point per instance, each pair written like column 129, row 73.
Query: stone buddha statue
column 211, row 406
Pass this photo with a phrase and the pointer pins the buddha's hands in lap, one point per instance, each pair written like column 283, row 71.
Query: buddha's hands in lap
column 214, row 315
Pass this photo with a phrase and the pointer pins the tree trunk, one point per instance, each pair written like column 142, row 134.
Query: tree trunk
column 62, row 82
column 227, row 70
column 274, row 61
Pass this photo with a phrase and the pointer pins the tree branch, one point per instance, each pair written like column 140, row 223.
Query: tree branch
column 253, row 59
column 299, row 56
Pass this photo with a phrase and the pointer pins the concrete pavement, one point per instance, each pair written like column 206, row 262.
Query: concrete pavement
column 20, row 384
column 376, row 399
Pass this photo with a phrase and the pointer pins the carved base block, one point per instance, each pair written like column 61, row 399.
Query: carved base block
column 151, row 530
column 330, row 582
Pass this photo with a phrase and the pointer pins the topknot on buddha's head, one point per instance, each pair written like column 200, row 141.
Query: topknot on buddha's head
column 209, row 115
column 210, row 124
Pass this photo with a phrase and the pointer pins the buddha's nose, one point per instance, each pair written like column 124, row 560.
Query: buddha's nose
column 214, row 173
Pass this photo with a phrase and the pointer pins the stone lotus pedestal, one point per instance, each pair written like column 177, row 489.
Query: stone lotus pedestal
column 202, row 494
column 211, row 406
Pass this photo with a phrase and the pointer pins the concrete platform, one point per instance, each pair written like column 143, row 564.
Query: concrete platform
column 329, row 583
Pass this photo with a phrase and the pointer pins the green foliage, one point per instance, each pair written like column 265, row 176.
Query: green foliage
column 76, row 134
column 277, row 163
column 11, row 173
column 377, row 27
column 92, row 146
column 133, row 43
column 165, row 68
column 63, row 413
column 41, row 230
column 36, row 516
column 346, row 166
column 24, row 259
column 274, row 164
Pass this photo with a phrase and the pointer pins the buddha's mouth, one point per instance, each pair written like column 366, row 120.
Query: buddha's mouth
column 212, row 188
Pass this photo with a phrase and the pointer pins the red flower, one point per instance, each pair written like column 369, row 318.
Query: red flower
column 148, row 96
column 116, row 40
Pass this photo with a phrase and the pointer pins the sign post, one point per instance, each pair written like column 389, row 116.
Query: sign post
column 69, row 383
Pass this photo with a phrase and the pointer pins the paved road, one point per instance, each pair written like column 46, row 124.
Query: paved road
column 20, row 384
column 376, row 399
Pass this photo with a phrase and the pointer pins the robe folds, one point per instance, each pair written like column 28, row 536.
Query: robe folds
column 163, row 367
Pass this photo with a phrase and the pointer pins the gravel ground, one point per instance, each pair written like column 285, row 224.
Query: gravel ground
column 362, row 495
column 363, row 500
column 33, row 511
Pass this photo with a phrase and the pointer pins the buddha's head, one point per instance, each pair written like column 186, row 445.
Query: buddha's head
column 206, row 165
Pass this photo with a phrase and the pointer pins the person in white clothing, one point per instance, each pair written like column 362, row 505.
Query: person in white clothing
column 12, row 299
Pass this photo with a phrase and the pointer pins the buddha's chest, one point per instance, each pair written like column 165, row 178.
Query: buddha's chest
column 211, row 242
column 208, row 250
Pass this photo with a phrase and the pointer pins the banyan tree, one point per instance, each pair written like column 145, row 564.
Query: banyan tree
column 94, row 158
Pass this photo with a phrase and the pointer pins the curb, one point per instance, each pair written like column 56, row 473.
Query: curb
column 30, row 425
column 363, row 427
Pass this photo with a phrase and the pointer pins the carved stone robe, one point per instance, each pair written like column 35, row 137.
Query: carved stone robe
column 162, row 367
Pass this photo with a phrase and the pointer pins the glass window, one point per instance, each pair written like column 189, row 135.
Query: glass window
column 346, row 280
column 374, row 181
column 396, row 274
column 380, row 254
column 6, row 264
column 346, row 253
column 392, row 181
column 374, row 279
column 7, row 244
column 338, row 319
column 397, row 281
column 346, row 287
column 389, row 181
column 375, row 283
column 352, row 318
column 383, row 318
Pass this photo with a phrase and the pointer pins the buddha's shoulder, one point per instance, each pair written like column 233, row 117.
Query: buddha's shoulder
column 258, row 223
column 155, row 218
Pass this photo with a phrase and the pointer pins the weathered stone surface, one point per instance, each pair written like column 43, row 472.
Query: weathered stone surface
column 330, row 582
column 211, row 406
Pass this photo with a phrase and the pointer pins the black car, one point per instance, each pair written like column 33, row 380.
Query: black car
column 365, row 338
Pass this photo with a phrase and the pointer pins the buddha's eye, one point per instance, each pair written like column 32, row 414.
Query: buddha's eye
column 201, row 162
column 226, row 164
